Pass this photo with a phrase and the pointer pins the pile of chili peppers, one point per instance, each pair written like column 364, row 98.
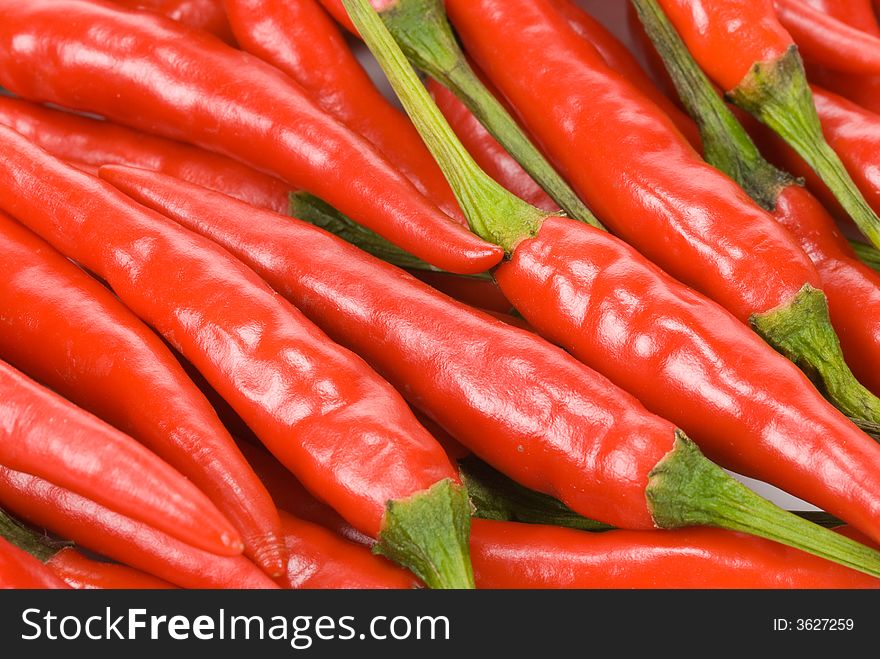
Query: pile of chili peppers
column 262, row 328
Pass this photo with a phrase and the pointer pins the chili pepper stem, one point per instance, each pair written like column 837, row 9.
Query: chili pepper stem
column 424, row 34
column 428, row 533
column 686, row 489
column 23, row 538
column 802, row 332
column 495, row 496
column 869, row 254
column 778, row 95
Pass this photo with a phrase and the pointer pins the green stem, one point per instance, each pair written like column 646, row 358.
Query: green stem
column 867, row 253
column 495, row 496
column 802, row 331
column 428, row 533
column 726, row 144
column 778, row 95
column 309, row 208
column 422, row 30
column 36, row 545
column 686, row 489
column 493, row 213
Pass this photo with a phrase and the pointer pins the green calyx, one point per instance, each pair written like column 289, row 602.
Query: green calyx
column 778, row 95
column 868, row 254
column 726, row 144
column 802, row 331
column 495, row 496
column 421, row 29
column 428, row 533
column 686, row 489
column 38, row 546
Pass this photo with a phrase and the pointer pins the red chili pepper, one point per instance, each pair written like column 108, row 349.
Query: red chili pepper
column 321, row 559
column 300, row 38
column 853, row 289
column 536, row 422
column 91, row 142
column 121, row 538
column 152, row 73
column 828, row 41
column 744, row 48
column 855, row 13
column 345, row 433
column 69, row 332
column 207, row 15
column 694, row 222
column 511, row 555
column 51, row 438
column 18, row 570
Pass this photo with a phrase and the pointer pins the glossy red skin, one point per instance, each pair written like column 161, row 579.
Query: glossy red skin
column 829, row 41
column 511, row 555
column 521, row 404
column 94, row 142
column 853, row 288
column 856, row 13
column 82, row 573
column 727, row 37
column 689, row 361
column 69, row 332
column 629, row 163
column 481, row 293
column 320, row 409
column 121, row 538
column 618, row 57
column 151, row 73
column 48, row 436
column 20, row 570
column 207, row 15
column 321, row 559
column 300, row 38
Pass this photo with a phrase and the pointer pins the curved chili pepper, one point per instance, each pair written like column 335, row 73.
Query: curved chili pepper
column 300, row 38
column 149, row 72
column 829, row 41
column 207, row 15
column 433, row 48
column 321, row 559
column 18, row 570
column 742, row 46
column 511, row 555
column 121, row 538
column 321, row 410
column 489, row 154
column 694, row 222
column 50, row 437
column 855, row 13
column 853, row 289
column 69, row 332
column 69, row 565
column 549, row 422
column 88, row 141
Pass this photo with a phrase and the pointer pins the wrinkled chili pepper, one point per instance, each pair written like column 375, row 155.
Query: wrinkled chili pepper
column 72, row 567
column 511, row 555
column 691, row 220
column 345, row 432
column 149, row 72
column 681, row 466
column 87, row 141
column 829, row 41
column 746, row 51
column 207, row 15
column 53, row 439
column 535, row 424
column 18, row 570
column 853, row 289
column 300, row 38
column 121, row 538
column 68, row 331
